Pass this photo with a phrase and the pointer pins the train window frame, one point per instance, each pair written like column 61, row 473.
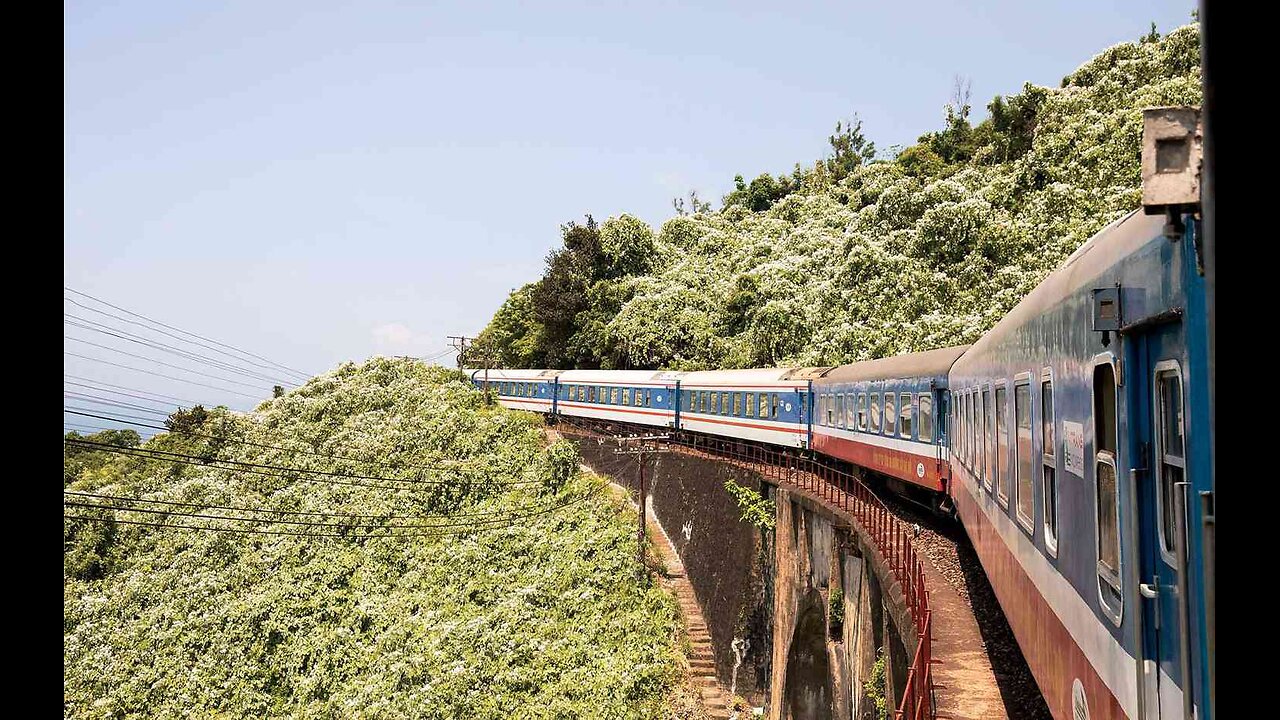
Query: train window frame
column 840, row 411
column 979, row 434
column 851, row 410
column 1049, row 437
column 890, row 431
column 737, row 404
column 1112, row 602
column 749, row 404
column 626, row 396
column 906, row 416
column 921, row 415
column 989, row 465
column 862, row 412
column 971, row 429
column 773, row 400
column 763, row 406
column 725, row 403
column 874, row 426
column 1166, row 368
column 1025, row 520
column 1001, row 389
column 962, row 427
column 715, row 403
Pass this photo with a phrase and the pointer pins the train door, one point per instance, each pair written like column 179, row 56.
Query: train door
column 1158, row 421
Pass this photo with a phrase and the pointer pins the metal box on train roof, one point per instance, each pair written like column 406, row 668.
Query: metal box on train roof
column 1171, row 156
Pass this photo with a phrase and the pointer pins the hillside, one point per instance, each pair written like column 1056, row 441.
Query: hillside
column 539, row 615
column 858, row 256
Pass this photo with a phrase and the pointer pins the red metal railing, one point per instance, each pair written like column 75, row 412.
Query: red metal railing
column 844, row 493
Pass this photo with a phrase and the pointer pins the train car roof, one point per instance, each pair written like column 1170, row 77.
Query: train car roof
column 1119, row 239
column 750, row 377
column 539, row 375
column 618, row 377
column 930, row 363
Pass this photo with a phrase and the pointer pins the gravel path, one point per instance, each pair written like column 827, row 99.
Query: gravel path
column 947, row 547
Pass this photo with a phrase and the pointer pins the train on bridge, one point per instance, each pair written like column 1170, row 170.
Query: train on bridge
column 1072, row 441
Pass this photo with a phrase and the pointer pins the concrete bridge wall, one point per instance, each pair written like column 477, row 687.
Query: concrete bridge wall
column 766, row 593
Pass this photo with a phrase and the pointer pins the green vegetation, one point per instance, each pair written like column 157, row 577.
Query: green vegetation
column 756, row 509
column 857, row 256
column 539, row 617
column 873, row 688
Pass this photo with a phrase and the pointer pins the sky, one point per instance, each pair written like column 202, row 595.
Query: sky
column 321, row 181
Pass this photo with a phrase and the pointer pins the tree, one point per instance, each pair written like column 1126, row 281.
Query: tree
column 850, row 149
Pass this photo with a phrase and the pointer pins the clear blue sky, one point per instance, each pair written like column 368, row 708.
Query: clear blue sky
column 321, row 181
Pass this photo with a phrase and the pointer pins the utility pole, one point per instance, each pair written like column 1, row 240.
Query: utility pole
column 641, row 446
column 462, row 344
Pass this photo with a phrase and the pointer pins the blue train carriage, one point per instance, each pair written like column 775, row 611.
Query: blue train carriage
column 533, row 390
column 644, row 397
column 1083, row 470
column 887, row 416
column 769, row 405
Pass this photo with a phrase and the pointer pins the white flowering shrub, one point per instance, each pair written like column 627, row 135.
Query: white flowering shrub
column 539, row 617
column 900, row 255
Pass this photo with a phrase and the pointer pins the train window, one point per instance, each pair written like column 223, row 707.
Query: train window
column 890, row 415
column 1002, row 444
column 970, row 427
column 724, row 403
column 986, row 428
column 626, row 396
column 875, row 412
column 862, row 412
column 904, row 410
column 737, row 403
column 749, row 405
column 840, row 410
column 926, row 417
column 613, row 396
column 648, row 398
column 764, row 405
column 1025, row 500
column 689, row 397
column 773, row 400
column 1107, row 487
column 706, row 401
column 979, row 432
column 1049, row 477
column 850, row 411
column 974, row 425
column 715, row 403
column 1170, row 454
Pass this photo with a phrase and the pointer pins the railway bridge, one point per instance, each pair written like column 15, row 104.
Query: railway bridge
column 829, row 613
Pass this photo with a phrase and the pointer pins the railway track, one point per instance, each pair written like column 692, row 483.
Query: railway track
column 943, row 543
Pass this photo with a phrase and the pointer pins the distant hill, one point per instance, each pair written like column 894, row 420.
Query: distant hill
column 858, row 256
column 538, row 616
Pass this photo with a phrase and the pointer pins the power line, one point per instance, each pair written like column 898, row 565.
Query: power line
column 486, row 518
column 301, row 513
column 161, row 362
column 125, row 387
column 85, row 411
column 81, row 397
column 185, row 458
column 269, row 366
column 223, row 438
column 251, row 531
column 184, row 332
column 90, row 325
column 190, row 403
column 158, row 374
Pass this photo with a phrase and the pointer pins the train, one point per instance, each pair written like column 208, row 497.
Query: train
column 1072, row 442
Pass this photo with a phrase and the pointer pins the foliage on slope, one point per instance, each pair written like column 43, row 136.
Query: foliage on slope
column 855, row 258
column 540, row 617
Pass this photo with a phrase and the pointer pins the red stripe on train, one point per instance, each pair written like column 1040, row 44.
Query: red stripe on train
column 1052, row 654
column 895, row 463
